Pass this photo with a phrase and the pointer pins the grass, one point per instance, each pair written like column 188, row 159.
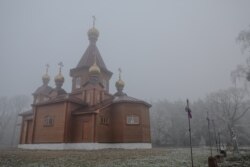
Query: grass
column 157, row 157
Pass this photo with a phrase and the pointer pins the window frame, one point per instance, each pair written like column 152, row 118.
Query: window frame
column 132, row 117
column 104, row 120
column 48, row 121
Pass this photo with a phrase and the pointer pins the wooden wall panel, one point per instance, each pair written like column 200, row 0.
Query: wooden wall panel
column 123, row 132
column 104, row 131
column 50, row 134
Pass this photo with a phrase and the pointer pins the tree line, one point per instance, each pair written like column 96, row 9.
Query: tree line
column 227, row 110
column 10, row 122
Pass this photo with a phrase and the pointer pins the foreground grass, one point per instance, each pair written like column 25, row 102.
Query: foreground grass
column 105, row 158
column 242, row 160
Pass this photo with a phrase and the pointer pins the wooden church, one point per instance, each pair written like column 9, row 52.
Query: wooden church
column 88, row 117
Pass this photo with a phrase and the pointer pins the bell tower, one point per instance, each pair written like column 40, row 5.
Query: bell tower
column 80, row 74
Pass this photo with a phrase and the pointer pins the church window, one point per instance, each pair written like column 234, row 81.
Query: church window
column 48, row 121
column 78, row 82
column 133, row 120
column 104, row 120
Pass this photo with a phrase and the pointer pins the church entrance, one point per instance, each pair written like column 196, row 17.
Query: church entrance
column 86, row 131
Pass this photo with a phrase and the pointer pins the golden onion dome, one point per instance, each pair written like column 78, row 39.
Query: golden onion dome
column 93, row 32
column 46, row 78
column 94, row 69
column 59, row 78
column 120, row 84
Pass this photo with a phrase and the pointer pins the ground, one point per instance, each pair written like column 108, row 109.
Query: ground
column 156, row 157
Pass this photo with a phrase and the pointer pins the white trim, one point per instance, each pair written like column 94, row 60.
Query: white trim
column 85, row 146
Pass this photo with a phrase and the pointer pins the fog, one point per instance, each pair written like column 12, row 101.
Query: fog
column 166, row 49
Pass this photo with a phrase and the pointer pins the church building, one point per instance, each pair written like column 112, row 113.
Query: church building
column 88, row 117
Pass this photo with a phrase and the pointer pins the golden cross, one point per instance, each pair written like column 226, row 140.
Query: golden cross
column 94, row 19
column 47, row 68
column 60, row 67
column 120, row 71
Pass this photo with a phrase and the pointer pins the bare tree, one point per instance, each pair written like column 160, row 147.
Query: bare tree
column 159, row 124
column 244, row 39
column 9, row 110
column 228, row 107
column 4, row 115
column 243, row 71
column 18, row 104
column 168, row 123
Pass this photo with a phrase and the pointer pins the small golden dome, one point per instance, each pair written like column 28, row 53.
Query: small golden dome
column 59, row 78
column 120, row 84
column 46, row 78
column 94, row 69
column 93, row 32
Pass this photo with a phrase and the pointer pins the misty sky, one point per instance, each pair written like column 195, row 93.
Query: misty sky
column 166, row 49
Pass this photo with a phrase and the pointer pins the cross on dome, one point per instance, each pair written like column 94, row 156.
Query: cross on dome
column 47, row 68
column 120, row 72
column 94, row 19
column 60, row 64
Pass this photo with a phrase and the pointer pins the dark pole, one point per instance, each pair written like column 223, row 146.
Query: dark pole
column 190, row 139
column 190, row 142
column 208, row 125
column 219, row 140
column 215, row 137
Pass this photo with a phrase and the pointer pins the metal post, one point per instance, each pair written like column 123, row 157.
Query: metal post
column 216, row 143
column 190, row 139
column 208, row 125
column 219, row 141
column 190, row 142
